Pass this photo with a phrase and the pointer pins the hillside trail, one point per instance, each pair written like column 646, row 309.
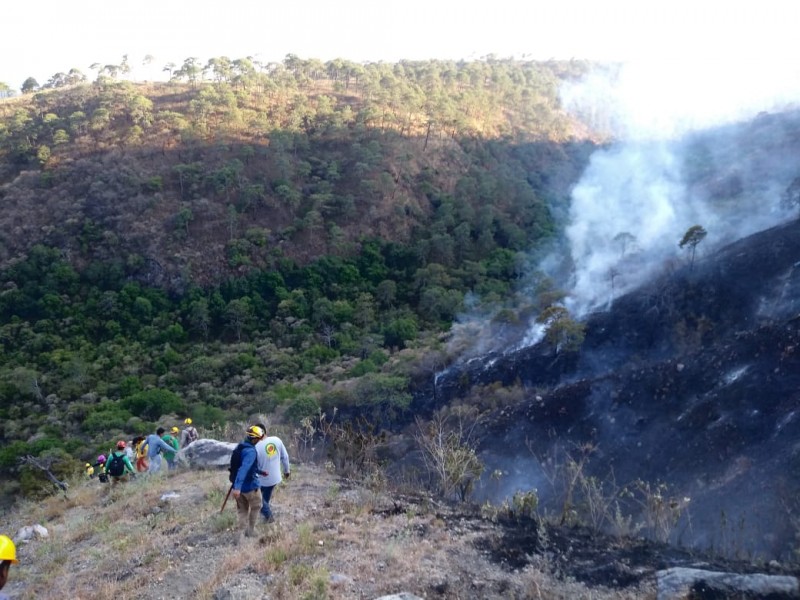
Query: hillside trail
column 154, row 537
column 164, row 537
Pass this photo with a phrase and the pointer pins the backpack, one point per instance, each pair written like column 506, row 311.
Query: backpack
column 191, row 435
column 236, row 462
column 116, row 466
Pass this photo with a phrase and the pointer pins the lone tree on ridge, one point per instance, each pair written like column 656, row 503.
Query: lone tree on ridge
column 693, row 236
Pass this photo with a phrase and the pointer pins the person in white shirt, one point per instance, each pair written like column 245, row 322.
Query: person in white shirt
column 272, row 461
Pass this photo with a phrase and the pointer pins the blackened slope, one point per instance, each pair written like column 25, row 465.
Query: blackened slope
column 693, row 380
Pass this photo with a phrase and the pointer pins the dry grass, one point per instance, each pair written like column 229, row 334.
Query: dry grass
column 332, row 540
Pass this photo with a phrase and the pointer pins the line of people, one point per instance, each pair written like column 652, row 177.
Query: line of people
column 145, row 451
column 258, row 465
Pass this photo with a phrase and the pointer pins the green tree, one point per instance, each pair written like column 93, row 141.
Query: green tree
column 29, row 86
column 43, row 154
column 386, row 293
column 238, row 315
column 399, row 331
column 693, row 236
column 190, row 70
column 561, row 331
column 182, row 220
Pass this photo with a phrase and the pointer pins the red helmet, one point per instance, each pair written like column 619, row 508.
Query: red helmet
column 121, row 445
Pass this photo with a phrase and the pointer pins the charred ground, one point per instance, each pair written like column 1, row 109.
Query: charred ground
column 691, row 380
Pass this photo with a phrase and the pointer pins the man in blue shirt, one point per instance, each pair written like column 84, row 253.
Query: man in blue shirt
column 155, row 446
column 245, row 486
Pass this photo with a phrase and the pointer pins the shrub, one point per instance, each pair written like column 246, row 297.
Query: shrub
column 129, row 386
column 107, row 415
column 151, row 404
column 377, row 388
column 362, row 368
column 301, row 407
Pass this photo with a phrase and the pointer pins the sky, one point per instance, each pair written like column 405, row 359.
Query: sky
column 50, row 36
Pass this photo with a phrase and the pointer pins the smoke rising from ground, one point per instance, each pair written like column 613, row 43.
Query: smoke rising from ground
column 681, row 153
column 640, row 194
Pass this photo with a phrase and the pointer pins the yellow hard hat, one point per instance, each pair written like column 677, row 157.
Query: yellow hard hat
column 255, row 432
column 188, row 421
column 8, row 551
column 88, row 465
column 175, row 430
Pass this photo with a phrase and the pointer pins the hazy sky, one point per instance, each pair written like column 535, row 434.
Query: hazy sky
column 42, row 38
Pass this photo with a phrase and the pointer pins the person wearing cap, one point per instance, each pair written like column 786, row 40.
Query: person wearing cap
column 272, row 461
column 170, row 439
column 89, row 470
column 189, row 434
column 141, row 454
column 119, row 457
column 100, row 468
column 8, row 555
column 245, row 486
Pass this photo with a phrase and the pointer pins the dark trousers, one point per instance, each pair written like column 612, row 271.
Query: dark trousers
column 266, row 494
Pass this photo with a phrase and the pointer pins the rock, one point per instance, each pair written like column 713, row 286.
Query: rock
column 339, row 580
column 680, row 583
column 207, row 454
column 400, row 596
column 169, row 496
column 29, row 532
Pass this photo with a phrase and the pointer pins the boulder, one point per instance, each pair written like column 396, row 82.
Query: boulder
column 29, row 532
column 207, row 454
column 680, row 583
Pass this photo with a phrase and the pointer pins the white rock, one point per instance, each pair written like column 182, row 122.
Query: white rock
column 676, row 583
column 27, row 533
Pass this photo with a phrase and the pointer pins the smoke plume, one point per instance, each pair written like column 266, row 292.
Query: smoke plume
column 658, row 176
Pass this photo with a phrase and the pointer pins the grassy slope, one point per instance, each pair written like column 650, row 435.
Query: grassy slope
column 332, row 539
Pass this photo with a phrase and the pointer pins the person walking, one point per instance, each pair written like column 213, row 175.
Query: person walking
column 99, row 467
column 89, row 470
column 8, row 555
column 130, row 450
column 172, row 441
column 272, row 461
column 118, row 464
column 245, row 484
column 141, row 454
column 189, row 434
column 155, row 446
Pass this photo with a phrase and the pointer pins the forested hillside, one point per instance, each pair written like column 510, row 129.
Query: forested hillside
column 285, row 238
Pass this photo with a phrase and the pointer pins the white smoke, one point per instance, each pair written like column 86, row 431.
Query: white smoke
column 636, row 187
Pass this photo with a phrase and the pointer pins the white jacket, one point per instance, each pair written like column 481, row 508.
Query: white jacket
column 272, row 459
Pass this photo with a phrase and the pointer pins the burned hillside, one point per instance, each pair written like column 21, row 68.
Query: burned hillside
column 692, row 380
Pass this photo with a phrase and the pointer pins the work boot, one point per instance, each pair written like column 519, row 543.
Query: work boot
column 250, row 532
